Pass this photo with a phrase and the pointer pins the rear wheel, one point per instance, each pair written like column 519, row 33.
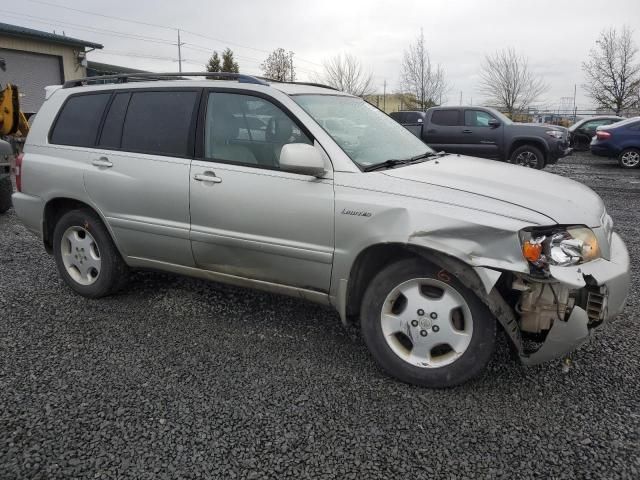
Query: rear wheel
column 424, row 327
column 581, row 143
column 528, row 156
column 629, row 158
column 86, row 257
column 6, row 189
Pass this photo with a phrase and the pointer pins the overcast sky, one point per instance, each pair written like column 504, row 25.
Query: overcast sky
column 555, row 35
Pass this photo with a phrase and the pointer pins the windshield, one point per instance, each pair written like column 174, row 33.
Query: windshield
column 365, row 133
column 501, row 116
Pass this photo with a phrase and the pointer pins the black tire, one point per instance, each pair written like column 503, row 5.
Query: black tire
column 6, row 189
column 528, row 151
column 113, row 271
column 581, row 143
column 629, row 158
column 467, row 366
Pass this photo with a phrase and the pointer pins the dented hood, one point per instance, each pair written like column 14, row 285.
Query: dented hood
column 559, row 198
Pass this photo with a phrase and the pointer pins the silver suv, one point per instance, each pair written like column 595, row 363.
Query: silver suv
column 303, row 190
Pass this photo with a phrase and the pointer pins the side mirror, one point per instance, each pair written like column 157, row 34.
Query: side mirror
column 493, row 123
column 302, row 158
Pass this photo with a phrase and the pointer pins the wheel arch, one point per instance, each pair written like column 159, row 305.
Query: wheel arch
column 56, row 207
column 375, row 257
column 534, row 142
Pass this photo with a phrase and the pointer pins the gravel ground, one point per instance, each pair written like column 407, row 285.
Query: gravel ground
column 179, row 378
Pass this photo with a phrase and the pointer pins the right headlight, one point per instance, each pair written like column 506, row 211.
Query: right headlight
column 561, row 246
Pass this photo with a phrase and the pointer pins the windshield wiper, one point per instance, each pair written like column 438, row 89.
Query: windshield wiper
column 394, row 162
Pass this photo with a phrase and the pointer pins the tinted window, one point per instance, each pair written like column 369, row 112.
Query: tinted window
column 445, row 117
column 159, row 122
column 79, row 119
column 112, row 128
column 477, row 118
column 247, row 130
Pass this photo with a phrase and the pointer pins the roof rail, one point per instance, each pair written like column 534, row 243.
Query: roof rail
column 309, row 84
column 141, row 77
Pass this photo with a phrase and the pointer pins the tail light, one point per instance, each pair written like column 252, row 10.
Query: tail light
column 17, row 172
column 603, row 135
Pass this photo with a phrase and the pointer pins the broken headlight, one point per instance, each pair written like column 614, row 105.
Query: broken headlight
column 562, row 246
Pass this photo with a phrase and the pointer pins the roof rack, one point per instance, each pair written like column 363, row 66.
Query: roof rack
column 141, row 77
column 309, row 84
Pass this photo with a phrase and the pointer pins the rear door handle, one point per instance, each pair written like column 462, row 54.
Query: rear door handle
column 467, row 131
column 207, row 177
column 101, row 162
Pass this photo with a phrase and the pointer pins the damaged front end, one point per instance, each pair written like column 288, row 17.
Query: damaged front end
column 570, row 289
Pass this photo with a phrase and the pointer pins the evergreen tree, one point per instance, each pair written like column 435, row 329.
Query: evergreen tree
column 228, row 63
column 214, row 63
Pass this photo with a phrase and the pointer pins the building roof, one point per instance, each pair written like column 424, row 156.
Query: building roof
column 23, row 32
column 107, row 69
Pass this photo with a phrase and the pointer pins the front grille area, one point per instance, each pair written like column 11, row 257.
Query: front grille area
column 596, row 302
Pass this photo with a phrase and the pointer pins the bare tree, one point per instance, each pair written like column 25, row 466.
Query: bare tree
column 421, row 82
column 508, row 83
column 346, row 73
column 613, row 77
column 279, row 66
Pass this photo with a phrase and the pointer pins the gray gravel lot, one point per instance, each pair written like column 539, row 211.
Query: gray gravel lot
column 179, row 378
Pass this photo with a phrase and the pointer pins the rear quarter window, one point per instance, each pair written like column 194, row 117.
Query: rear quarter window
column 78, row 121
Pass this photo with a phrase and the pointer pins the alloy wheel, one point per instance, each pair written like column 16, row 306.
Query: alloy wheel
column 80, row 255
column 630, row 159
column 426, row 323
column 527, row 159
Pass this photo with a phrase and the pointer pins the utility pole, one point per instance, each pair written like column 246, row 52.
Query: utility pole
column 179, row 52
column 460, row 97
column 574, row 103
column 291, row 65
column 384, row 96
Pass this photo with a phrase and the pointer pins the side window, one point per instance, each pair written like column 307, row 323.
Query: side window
column 477, row 118
column 635, row 127
column 448, row 118
column 78, row 121
column 593, row 124
column 159, row 122
column 113, row 123
column 247, row 130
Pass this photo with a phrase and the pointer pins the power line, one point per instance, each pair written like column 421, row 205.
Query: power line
column 101, row 15
column 87, row 12
column 99, row 31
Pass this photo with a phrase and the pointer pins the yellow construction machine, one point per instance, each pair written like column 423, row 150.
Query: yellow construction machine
column 13, row 128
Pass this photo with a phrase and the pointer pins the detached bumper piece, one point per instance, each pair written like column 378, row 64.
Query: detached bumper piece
column 600, row 291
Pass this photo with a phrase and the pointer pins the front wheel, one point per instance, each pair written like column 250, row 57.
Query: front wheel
column 424, row 327
column 528, row 156
column 629, row 158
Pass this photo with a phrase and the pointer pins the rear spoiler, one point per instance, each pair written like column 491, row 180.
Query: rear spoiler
column 50, row 90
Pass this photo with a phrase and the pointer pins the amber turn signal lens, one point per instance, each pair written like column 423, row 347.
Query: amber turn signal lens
column 532, row 251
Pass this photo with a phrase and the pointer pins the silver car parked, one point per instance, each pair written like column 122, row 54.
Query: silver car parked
column 256, row 184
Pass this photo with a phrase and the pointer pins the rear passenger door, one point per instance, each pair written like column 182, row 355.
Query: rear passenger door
column 443, row 131
column 138, row 173
column 250, row 219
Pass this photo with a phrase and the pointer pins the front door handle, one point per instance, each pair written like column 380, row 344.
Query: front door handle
column 101, row 162
column 207, row 177
column 467, row 131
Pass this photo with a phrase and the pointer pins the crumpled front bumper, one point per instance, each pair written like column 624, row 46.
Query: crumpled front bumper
column 612, row 274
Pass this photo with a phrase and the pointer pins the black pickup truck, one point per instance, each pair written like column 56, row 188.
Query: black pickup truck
column 485, row 132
